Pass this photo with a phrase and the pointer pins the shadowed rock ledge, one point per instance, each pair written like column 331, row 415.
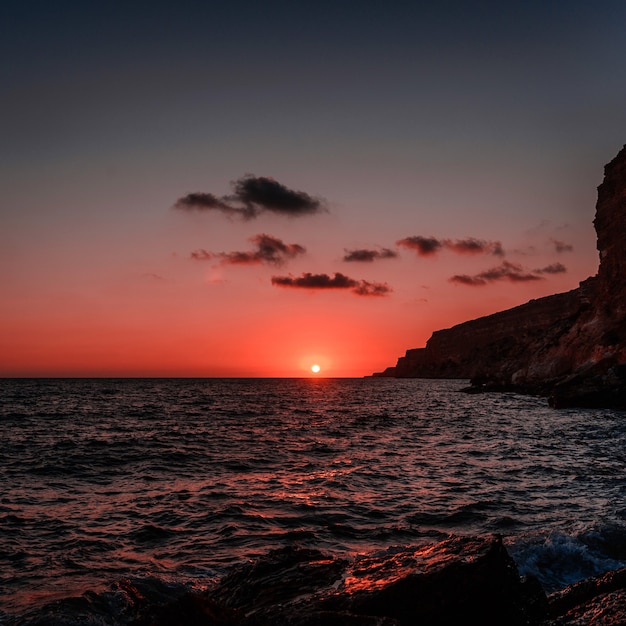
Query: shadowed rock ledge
column 461, row 580
column 570, row 347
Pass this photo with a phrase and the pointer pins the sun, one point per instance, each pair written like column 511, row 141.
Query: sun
column 315, row 368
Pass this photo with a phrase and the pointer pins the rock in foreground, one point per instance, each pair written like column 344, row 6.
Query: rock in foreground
column 600, row 600
column 461, row 580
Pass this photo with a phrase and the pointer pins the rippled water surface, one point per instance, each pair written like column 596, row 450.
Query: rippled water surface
column 178, row 479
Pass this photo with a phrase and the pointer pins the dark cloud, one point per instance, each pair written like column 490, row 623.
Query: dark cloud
column 561, row 246
column 252, row 196
column 424, row 246
column 338, row 281
column 554, row 268
column 428, row 246
column 365, row 288
column 268, row 194
column 202, row 255
column 506, row 271
column 367, row 256
column 474, row 246
column 315, row 281
column 206, row 202
column 465, row 279
column 268, row 250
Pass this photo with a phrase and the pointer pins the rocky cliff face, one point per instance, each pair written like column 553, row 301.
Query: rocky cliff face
column 570, row 346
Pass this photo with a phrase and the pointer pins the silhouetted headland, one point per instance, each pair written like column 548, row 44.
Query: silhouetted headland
column 569, row 347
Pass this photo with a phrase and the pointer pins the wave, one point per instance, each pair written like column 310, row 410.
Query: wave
column 558, row 558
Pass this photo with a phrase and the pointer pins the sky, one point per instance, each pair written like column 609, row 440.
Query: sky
column 250, row 188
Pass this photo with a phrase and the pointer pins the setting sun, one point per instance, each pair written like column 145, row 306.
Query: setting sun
column 315, row 369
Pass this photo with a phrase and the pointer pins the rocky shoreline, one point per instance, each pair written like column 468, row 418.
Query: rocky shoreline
column 569, row 347
column 462, row 580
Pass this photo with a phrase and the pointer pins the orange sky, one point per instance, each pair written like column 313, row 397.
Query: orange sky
column 408, row 136
column 170, row 315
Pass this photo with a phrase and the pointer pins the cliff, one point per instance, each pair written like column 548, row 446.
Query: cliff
column 570, row 347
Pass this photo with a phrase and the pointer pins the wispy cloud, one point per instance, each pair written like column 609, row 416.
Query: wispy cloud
column 200, row 201
column 512, row 272
column 268, row 250
column 367, row 256
column 338, row 281
column 554, row 268
column 561, row 246
column 253, row 195
column 474, row 246
column 429, row 246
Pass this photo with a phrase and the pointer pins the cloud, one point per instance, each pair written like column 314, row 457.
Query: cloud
column 506, row 271
column 561, row 246
column 268, row 250
column 365, row 288
column 424, row 246
column 338, row 281
column 367, row 256
column 200, row 201
column 554, row 268
column 268, row 194
column 253, row 195
column 202, row 255
column 428, row 246
column 474, row 246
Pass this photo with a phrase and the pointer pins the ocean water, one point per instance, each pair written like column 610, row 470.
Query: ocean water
column 173, row 481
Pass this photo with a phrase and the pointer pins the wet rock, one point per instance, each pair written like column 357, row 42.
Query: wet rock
column 281, row 577
column 459, row 581
column 462, row 580
column 599, row 600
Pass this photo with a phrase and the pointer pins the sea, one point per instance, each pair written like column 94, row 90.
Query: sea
column 152, row 484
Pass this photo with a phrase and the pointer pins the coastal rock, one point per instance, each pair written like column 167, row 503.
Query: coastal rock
column 599, row 600
column 462, row 580
column 570, row 347
column 458, row 581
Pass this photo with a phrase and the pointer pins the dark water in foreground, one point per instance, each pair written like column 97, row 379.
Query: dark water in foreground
column 175, row 480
